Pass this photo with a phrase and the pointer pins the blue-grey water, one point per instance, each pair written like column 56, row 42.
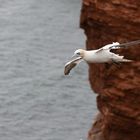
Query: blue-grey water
column 37, row 102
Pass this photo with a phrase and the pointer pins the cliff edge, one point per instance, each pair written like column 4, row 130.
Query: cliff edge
column 118, row 88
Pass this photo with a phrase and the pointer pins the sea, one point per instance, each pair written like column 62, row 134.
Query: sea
column 37, row 101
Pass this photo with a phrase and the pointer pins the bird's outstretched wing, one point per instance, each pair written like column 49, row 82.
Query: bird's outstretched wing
column 125, row 45
column 117, row 45
column 71, row 64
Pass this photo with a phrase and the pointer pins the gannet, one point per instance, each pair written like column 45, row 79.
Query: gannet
column 101, row 55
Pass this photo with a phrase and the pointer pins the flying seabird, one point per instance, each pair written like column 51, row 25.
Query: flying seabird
column 101, row 55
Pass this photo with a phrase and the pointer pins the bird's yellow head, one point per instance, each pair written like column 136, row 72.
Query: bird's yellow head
column 79, row 53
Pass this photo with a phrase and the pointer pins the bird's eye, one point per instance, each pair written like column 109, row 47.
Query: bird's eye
column 78, row 53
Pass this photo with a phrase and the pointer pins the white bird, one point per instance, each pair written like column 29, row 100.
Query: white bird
column 101, row 55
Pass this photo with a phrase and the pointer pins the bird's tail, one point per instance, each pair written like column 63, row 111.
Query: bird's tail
column 122, row 59
column 126, row 60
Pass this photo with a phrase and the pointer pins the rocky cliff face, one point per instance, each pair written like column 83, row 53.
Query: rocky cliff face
column 118, row 88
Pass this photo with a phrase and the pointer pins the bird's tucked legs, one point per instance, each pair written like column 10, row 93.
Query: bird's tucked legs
column 118, row 64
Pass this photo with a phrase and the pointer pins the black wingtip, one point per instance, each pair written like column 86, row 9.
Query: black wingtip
column 131, row 43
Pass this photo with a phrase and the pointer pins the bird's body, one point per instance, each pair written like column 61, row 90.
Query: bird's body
column 101, row 55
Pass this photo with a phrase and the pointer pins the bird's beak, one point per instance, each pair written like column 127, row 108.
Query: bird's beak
column 74, row 56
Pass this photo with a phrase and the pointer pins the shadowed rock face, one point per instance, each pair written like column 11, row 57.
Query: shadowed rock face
column 118, row 88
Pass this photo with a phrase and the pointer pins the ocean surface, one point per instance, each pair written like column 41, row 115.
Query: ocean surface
column 37, row 102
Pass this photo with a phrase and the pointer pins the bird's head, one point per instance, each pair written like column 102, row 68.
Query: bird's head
column 79, row 53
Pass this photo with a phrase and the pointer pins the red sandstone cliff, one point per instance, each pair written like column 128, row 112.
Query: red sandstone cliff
column 118, row 100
